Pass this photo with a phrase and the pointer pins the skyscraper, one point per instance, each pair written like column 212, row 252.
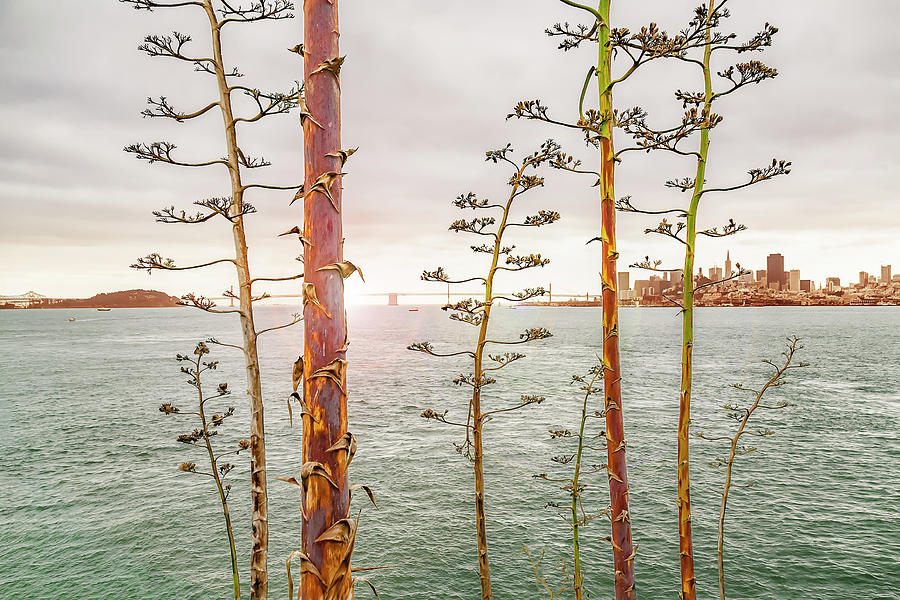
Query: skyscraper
column 863, row 278
column 624, row 277
column 885, row 274
column 727, row 263
column 795, row 280
column 775, row 270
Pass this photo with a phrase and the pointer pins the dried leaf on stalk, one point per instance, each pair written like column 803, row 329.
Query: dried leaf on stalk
column 366, row 489
column 346, row 269
column 323, row 185
column 367, row 582
column 343, row 155
column 315, row 469
column 342, row 532
column 296, row 229
column 297, row 374
column 305, row 114
column 310, row 297
column 335, row 370
column 345, row 442
column 306, row 566
column 332, row 65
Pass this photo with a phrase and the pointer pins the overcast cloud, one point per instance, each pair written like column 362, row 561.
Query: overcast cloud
column 427, row 86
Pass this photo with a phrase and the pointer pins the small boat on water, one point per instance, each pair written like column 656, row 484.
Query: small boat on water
column 72, row 319
column 104, row 309
column 414, row 309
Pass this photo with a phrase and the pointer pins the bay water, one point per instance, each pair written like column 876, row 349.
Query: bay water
column 93, row 507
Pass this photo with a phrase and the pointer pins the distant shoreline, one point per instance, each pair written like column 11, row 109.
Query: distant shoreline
column 110, row 300
column 598, row 305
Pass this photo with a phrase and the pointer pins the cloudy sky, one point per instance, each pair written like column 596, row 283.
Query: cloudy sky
column 427, row 86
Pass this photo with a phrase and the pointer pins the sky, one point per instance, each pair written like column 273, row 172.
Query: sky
column 426, row 89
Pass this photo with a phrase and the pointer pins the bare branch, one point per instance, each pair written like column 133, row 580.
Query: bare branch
column 162, row 152
column 217, row 207
column 259, row 10
column 162, row 108
column 624, row 205
column 439, row 275
column 778, row 167
column 155, row 261
column 297, row 317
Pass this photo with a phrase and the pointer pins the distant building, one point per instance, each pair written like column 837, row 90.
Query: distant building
column 833, row 284
column 896, row 278
column 885, row 274
column 863, row 278
column 715, row 274
column 728, row 263
column 775, row 286
column 624, row 277
column 794, row 280
column 775, row 270
column 805, row 285
column 761, row 276
column 641, row 287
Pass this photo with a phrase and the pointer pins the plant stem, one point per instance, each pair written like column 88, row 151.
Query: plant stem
column 258, row 493
column 685, row 542
column 623, row 557
column 729, row 464
column 235, row 577
column 484, row 565
column 576, row 549
column 325, row 333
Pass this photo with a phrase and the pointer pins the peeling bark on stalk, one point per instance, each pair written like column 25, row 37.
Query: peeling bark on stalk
column 324, row 332
column 258, row 494
column 685, row 541
column 623, row 556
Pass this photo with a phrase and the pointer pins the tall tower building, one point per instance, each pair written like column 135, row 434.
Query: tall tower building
column 863, row 278
column 775, row 270
column 795, row 280
column 728, row 263
column 885, row 274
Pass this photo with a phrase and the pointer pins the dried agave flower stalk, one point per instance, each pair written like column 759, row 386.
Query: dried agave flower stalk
column 742, row 415
column 201, row 437
column 494, row 226
column 699, row 117
column 220, row 15
column 574, row 485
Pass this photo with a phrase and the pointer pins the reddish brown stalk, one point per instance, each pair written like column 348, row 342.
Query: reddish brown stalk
column 623, row 552
column 325, row 329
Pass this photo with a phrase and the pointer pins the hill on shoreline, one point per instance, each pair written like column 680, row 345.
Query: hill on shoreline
column 121, row 299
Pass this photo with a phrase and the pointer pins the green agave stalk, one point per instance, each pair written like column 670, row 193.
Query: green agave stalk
column 623, row 551
column 478, row 313
column 685, row 540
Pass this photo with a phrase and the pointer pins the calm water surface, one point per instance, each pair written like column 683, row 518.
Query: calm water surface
column 94, row 508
